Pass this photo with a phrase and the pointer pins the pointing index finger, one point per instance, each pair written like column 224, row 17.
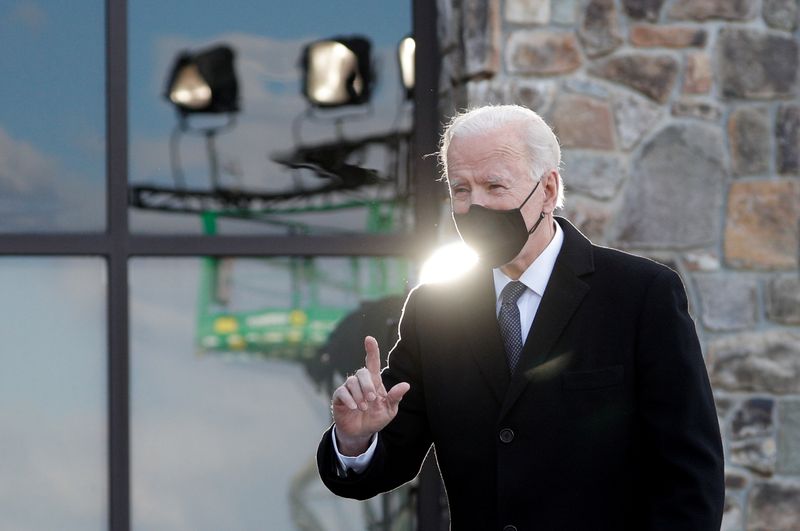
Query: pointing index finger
column 373, row 355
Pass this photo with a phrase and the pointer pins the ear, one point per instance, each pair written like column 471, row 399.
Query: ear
column 550, row 183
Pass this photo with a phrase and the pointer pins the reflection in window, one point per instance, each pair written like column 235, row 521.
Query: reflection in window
column 52, row 119
column 233, row 362
column 272, row 120
column 53, row 394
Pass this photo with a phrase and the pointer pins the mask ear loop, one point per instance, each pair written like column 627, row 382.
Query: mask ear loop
column 530, row 194
column 536, row 225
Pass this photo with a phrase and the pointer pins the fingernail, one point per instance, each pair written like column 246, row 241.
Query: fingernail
column 363, row 406
column 371, row 397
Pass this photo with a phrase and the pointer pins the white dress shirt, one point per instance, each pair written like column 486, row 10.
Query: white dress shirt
column 535, row 279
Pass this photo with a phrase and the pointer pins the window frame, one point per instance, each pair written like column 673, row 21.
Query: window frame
column 116, row 245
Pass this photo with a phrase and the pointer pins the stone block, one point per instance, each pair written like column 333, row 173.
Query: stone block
column 594, row 174
column 655, row 36
column 728, row 301
column 563, row 12
column 643, row 9
column 582, row 122
column 652, row 75
column 758, row 455
column 586, row 86
column 589, row 216
column 772, row 506
column 634, row 116
column 533, row 94
column 789, row 437
column 447, row 25
column 542, row 52
column 753, row 418
column 783, row 300
column 697, row 77
column 487, row 91
column 706, row 110
column 704, row 260
column 528, row 11
column 735, row 480
column 724, row 405
column 787, row 135
column 763, row 362
column 732, row 515
column 452, row 70
column 761, row 230
column 713, row 9
column 480, row 33
column 781, row 14
column 598, row 29
column 771, row 64
column 749, row 140
column 675, row 190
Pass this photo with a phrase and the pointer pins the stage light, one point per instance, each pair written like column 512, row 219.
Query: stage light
column 337, row 72
column 204, row 82
column 405, row 54
column 448, row 263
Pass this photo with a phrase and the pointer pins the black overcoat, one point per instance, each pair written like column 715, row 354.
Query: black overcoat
column 608, row 423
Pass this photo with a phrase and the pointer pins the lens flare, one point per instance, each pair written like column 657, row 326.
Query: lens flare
column 448, row 263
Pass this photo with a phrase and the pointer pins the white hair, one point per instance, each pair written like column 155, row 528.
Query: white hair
column 544, row 153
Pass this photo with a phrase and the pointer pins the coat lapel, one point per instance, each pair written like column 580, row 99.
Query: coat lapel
column 482, row 333
column 564, row 293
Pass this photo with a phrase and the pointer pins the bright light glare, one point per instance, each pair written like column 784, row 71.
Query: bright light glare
column 190, row 89
column 448, row 263
column 406, row 52
column 332, row 64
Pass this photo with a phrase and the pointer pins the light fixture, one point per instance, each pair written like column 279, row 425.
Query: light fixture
column 405, row 54
column 204, row 82
column 337, row 72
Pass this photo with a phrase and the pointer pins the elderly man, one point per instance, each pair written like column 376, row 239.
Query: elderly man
column 561, row 383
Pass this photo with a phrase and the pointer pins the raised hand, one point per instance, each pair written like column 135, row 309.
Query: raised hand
column 362, row 406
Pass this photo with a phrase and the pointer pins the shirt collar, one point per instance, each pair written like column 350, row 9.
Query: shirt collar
column 538, row 273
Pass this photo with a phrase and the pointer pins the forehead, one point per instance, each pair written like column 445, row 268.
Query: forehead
column 480, row 152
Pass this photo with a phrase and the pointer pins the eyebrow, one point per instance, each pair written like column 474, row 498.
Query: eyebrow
column 491, row 179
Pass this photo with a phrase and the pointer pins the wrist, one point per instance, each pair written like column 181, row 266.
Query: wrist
column 352, row 446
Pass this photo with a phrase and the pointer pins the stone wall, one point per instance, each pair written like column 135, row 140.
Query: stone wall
column 680, row 127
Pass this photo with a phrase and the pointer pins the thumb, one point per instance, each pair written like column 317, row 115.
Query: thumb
column 397, row 392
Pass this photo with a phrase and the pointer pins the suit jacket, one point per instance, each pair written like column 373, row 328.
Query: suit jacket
column 608, row 423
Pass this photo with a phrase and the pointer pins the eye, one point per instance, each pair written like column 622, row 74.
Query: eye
column 460, row 191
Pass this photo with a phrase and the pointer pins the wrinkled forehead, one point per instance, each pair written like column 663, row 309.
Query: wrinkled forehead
column 470, row 147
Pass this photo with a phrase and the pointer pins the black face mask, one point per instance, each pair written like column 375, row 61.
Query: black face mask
column 496, row 235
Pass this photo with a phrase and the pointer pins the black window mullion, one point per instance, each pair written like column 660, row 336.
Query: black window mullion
column 263, row 246
column 117, row 257
column 427, row 205
column 427, row 124
column 53, row 244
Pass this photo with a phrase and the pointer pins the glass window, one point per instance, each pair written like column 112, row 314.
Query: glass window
column 261, row 156
column 52, row 119
column 53, row 403
column 233, row 362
